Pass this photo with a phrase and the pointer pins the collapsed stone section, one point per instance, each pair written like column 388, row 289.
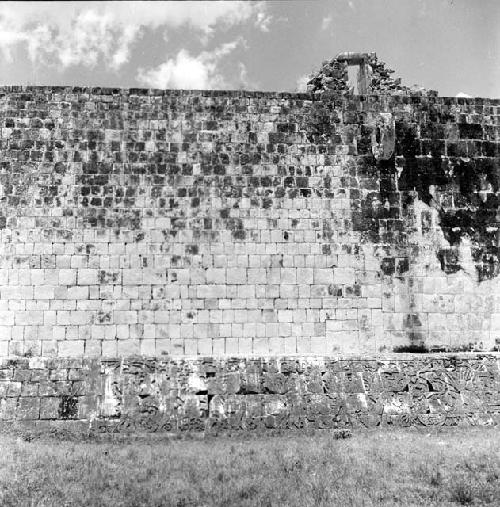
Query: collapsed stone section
column 373, row 77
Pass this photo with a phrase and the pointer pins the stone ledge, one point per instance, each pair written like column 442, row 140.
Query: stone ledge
column 37, row 362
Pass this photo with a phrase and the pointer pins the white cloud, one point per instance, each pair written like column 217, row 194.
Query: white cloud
column 9, row 38
column 245, row 82
column 325, row 24
column 185, row 71
column 189, row 72
column 302, row 83
column 81, row 33
column 464, row 95
column 243, row 75
column 263, row 21
column 125, row 40
column 92, row 36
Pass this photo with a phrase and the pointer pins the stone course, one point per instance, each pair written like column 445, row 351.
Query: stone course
column 232, row 394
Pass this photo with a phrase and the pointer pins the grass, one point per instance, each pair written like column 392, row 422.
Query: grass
column 452, row 466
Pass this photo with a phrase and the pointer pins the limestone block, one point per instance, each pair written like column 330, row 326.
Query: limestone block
column 216, row 276
column 128, row 348
column 28, row 318
column 289, row 344
column 73, row 348
column 76, row 292
column 109, row 348
column 245, row 345
column 6, row 319
column 43, row 292
column 210, row 291
column 49, row 407
column 87, row 276
column 93, row 348
column 125, row 317
column 49, row 348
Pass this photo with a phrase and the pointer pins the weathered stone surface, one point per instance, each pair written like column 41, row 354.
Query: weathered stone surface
column 186, row 260
column 372, row 77
column 188, row 223
column 175, row 395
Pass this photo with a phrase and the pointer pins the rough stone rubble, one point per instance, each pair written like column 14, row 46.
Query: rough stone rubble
column 333, row 77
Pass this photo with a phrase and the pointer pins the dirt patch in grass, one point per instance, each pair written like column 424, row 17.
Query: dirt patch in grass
column 456, row 466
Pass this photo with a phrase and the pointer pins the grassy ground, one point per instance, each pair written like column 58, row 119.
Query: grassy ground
column 384, row 467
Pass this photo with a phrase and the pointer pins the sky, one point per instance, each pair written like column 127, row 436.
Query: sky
column 452, row 46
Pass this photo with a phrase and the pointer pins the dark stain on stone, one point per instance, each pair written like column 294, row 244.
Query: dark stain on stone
column 412, row 320
column 388, row 266
column 470, row 130
column 335, row 290
column 464, row 190
column 412, row 348
column 60, row 168
column 267, row 202
column 68, row 407
column 239, row 234
column 403, row 265
column 449, row 260
column 418, row 173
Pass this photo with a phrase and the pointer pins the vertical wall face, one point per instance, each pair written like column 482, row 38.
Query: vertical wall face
column 238, row 223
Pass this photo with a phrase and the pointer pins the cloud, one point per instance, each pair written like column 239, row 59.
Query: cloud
column 245, row 82
column 72, row 33
column 302, row 83
column 263, row 21
column 190, row 72
column 9, row 38
column 91, row 36
column 325, row 24
column 125, row 40
column 463, row 95
column 184, row 71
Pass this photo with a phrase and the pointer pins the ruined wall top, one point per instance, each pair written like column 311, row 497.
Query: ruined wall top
column 373, row 77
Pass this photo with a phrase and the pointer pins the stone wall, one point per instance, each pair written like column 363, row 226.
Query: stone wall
column 187, row 260
column 188, row 223
column 232, row 394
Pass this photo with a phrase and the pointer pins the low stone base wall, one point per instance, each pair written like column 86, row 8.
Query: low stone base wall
column 138, row 394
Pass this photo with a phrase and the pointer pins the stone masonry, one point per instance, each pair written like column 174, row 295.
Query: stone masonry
column 238, row 225
column 221, row 395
